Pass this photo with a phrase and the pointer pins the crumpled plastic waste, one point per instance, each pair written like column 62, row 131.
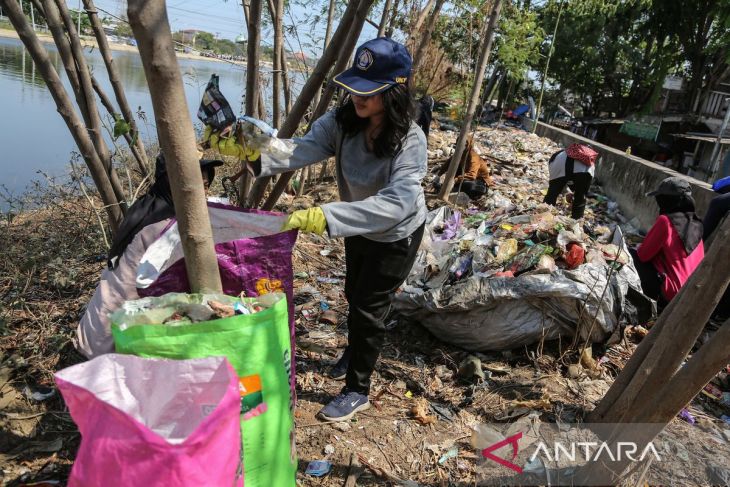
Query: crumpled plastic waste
column 318, row 468
column 575, row 255
column 532, row 270
column 178, row 308
column 247, row 139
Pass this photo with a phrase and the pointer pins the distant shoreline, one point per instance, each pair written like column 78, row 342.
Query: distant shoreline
column 88, row 41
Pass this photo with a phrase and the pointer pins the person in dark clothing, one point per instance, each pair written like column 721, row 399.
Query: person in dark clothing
column 425, row 113
column 154, row 206
column 718, row 210
column 575, row 164
column 673, row 248
column 719, row 206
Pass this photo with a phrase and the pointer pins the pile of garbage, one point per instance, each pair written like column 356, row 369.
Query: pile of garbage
column 176, row 309
column 509, row 270
column 507, row 277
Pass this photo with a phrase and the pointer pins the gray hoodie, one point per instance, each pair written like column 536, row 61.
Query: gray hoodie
column 380, row 198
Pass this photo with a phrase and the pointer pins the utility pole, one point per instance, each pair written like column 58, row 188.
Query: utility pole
column 547, row 66
column 715, row 158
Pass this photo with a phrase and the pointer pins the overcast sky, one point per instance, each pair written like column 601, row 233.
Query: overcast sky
column 226, row 19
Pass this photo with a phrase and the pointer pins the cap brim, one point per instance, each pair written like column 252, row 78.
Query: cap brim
column 352, row 83
column 652, row 193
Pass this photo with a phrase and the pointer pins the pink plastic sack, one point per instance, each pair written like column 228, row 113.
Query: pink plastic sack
column 154, row 422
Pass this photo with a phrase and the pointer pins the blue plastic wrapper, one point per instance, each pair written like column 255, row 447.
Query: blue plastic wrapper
column 318, row 468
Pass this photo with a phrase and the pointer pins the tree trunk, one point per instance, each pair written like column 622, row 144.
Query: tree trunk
column 328, row 31
column 669, row 341
column 391, row 21
column 151, row 28
column 134, row 140
column 416, row 27
column 55, row 25
column 474, row 99
column 93, row 124
column 107, row 103
column 66, row 110
column 342, row 62
column 252, row 56
column 652, row 376
column 425, row 38
column 314, row 82
column 488, row 90
column 285, row 80
column 278, row 41
column 330, row 20
column 384, row 18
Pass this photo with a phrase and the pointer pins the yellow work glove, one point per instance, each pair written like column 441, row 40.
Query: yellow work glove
column 229, row 146
column 311, row 220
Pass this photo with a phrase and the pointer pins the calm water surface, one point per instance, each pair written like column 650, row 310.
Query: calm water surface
column 35, row 138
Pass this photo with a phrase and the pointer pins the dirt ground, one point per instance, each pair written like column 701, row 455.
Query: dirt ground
column 422, row 409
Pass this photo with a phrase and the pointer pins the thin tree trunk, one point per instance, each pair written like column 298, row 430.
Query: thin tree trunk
column 94, row 125
column 342, row 62
column 134, row 141
column 254, row 101
column 669, row 341
column 285, row 80
column 252, row 56
column 55, row 25
column 474, row 99
column 653, row 375
column 66, row 110
column 314, row 82
column 391, row 21
column 426, row 37
column 278, row 16
column 318, row 96
column 261, row 108
column 435, row 72
column 384, row 18
column 107, row 103
column 328, row 31
column 303, row 175
column 151, row 28
column 416, row 27
column 485, row 94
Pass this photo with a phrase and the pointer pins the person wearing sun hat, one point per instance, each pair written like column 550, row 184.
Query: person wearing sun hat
column 673, row 247
column 380, row 156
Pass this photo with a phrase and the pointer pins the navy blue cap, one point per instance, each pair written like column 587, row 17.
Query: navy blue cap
column 379, row 64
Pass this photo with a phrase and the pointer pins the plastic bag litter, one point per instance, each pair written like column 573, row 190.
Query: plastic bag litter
column 481, row 313
column 154, row 422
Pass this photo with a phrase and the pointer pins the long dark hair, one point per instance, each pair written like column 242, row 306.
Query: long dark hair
column 399, row 111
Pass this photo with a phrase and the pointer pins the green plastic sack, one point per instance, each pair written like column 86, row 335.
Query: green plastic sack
column 258, row 347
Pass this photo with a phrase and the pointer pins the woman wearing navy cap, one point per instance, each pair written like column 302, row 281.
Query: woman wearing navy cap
column 381, row 158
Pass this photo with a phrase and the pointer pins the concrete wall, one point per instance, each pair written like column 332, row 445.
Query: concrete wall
column 626, row 179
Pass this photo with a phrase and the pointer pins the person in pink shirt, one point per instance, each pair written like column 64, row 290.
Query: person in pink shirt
column 673, row 248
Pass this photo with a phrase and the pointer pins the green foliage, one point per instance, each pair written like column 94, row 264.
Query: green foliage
column 123, row 30
column 121, row 127
column 613, row 55
column 85, row 22
column 518, row 42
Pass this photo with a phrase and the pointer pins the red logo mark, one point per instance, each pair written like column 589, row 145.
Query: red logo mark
column 513, row 440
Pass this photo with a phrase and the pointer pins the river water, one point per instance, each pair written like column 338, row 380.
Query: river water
column 34, row 136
